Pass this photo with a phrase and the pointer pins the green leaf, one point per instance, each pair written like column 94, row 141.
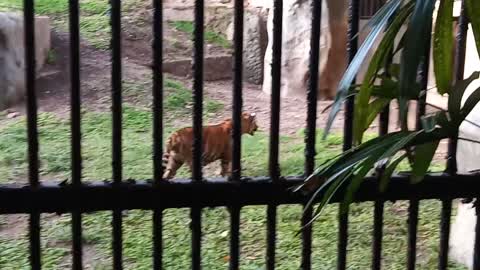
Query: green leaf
column 385, row 46
column 383, row 146
column 326, row 174
column 401, row 44
column 455, row 97
column 363, row 151
column 417, row 40
column 356, row 64
column 385, row 177
column 365, row 165
column 359, row 176
column 377, row 17
column 404, row 141
column 423, row 157
column 327, row 196
column 429, row 122
column 443, row 46
column 374, row 108
column 473, row 11
column 394, row 70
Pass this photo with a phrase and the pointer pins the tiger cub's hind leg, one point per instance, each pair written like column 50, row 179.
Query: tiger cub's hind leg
column 226, row 168
column 173, row 164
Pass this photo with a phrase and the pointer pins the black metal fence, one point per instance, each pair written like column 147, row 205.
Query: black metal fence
column 157, row 195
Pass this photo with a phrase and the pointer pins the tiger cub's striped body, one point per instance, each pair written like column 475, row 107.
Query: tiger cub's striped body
column 216, row 143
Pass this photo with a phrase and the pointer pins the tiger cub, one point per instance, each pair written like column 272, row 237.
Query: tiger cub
column 216, row 143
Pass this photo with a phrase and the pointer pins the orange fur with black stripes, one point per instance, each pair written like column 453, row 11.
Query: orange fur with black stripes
column 216, row 141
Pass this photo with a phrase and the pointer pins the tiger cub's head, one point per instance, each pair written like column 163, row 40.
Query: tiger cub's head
column 249, row 123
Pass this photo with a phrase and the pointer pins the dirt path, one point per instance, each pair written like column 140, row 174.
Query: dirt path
column 53, row 89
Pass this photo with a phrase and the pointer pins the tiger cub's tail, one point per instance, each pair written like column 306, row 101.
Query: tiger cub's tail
column 166, row 156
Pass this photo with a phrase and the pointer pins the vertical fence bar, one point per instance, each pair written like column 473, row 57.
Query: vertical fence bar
column 353, row 21
column 274, row 169
column 157, row 91
column 377, row 235
column 198, row 90
column 311, row 125
column 476, row 247
column 412, row 234
column 234, row 237
column 275, row 96
column 75, row 101
column 116, row 126
column 444, row 233
column 379, row 204
column 313, row 88
column 461, row 39
column 384, row 120
column 414, row 203
column 195, row 213
column 237, row 128
column 271, row 235
column 29, row 35
column 237, row 90
column 196, row 227
column 157, row 128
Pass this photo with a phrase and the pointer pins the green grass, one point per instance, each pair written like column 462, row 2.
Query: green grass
column 94, row 19
column 210, row 36
column 178, row 100
column 137, row 150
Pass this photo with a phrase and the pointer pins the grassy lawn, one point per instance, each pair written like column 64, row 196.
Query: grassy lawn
column 54, row 152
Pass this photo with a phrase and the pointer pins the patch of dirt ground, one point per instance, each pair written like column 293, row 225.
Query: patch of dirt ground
column 138, row 38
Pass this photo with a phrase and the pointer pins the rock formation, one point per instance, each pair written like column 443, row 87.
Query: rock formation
column 12, row 55
column 254, row 45
column 296, row 47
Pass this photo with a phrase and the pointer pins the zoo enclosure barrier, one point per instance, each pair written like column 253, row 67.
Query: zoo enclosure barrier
column 157, row 195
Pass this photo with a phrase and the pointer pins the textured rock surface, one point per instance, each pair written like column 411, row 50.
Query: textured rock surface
column 12, row 55
column 295, row 47
column 218, row 67
column 255, row 39
column 12, row 62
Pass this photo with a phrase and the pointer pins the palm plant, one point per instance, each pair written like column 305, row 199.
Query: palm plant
column 385, row 82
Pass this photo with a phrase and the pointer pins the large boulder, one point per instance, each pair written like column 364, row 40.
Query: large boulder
column 295, row 47
column 12, row 55
column 255, row 39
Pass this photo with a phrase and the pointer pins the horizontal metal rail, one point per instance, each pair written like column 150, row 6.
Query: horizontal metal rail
column 57, row 198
